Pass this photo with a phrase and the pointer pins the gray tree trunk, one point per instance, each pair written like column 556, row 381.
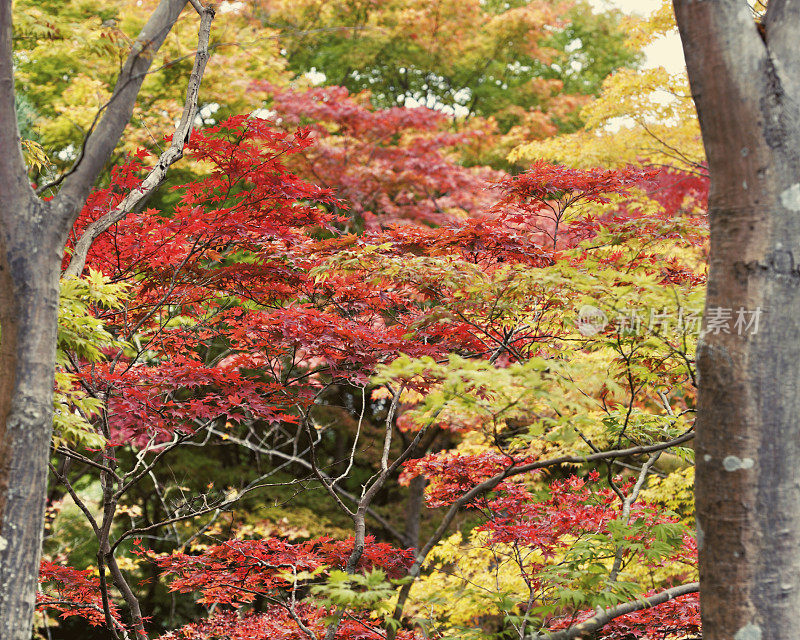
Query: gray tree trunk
column 32, row 238
column 29, row 270
column 746, row 84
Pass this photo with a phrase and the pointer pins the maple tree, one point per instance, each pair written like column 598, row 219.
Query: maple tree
column 237, row 316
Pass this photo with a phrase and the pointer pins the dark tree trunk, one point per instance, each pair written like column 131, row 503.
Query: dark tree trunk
column 416, row 498
column 747, row 91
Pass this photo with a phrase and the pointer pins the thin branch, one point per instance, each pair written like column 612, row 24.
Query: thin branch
column 100, row 143
column 387, row 526
column 157, row 174
column 62, row 478
column 69, row 453
column 321, row 476
column 387, row 439
column 175, row 442
column 626, row 510
column 352, row 457
column 607, row 615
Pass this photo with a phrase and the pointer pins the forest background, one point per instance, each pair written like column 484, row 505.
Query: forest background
column 366, row 369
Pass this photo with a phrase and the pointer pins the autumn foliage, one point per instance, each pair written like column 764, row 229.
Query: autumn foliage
column 331, row 313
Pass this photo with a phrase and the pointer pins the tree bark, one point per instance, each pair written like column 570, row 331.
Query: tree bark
column 413, row 515
column 747, row 90
column 29, row 271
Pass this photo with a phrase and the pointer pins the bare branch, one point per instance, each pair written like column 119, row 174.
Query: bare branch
column 62, row 478
column 221, row 505
column 159, row 171
column 387, row 439
column 176, row 441
column 627, row 503
column 322, row 477
column 69, row 453
column 352, row 457
column 607, row 615
column 305, row 463
column 101, row 142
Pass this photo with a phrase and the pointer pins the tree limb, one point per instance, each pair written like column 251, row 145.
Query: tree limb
column 101, row 142
column 159, row 171
column 13, row 174
column 602, row 618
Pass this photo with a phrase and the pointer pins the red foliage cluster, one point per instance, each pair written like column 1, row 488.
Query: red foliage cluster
column 73, row 593
column 451, row 475
column 233, row 262
column 234, row 258
column 392, row 165
column 675, row 618
column 572, row 506
column 545, row 182
column 484, row 240
column 237, row 571
column 547, row 197
column 146, row 409
column 680, row 192
column 278, row 624
column 247, row 201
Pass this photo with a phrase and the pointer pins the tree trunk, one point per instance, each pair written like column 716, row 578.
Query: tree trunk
column 747, row 91
column 29, row 270
column 416, row 498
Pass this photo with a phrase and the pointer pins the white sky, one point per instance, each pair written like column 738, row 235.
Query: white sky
column 665, row 52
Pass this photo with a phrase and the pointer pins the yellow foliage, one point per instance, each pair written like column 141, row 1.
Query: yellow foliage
column 82, row 99
column 675, row 492
column 69, row 59
column 659, row 23
column 35, row 155
column 464, row 579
